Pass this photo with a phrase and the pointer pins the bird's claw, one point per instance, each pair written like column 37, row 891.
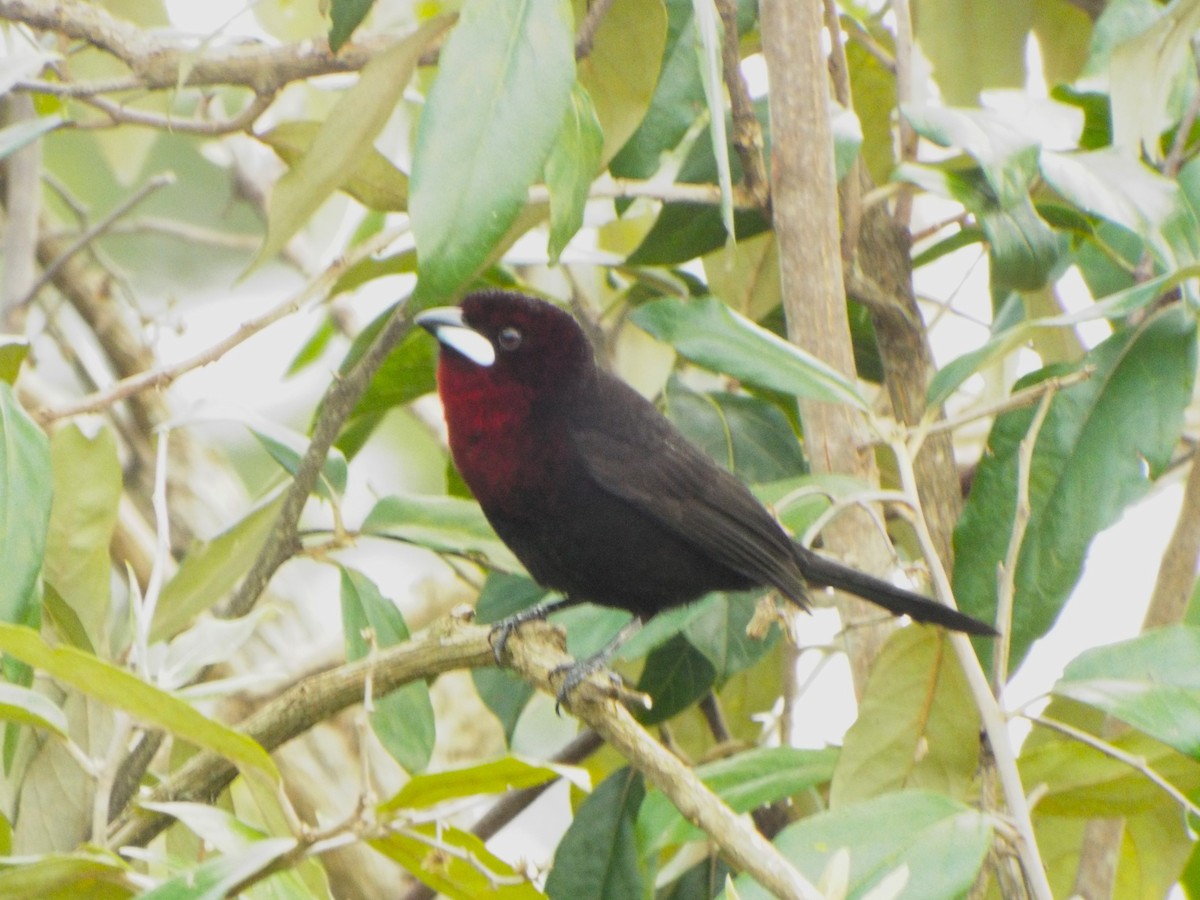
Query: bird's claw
column 504, row 629
column 573, row 674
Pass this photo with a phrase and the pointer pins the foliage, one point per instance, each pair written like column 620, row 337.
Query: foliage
column 590, row 152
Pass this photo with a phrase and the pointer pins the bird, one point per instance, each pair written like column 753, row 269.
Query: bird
column 598, row 495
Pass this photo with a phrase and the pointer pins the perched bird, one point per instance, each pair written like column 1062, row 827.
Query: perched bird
column 598, row 495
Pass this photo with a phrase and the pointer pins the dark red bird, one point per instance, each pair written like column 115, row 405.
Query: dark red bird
column 593, row 489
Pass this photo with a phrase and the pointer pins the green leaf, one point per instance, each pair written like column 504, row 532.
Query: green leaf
column 597, row 859
column 214, row 879
column 710, row 334
column 678, row 99
column 511, row 773
column 402, row 720
column 1006, row 155
column 974, row 46
column 687, row 230
column 1112, row 184
column 346, row 15
column 87, row 490
column 212, row 568
column 942, row 842
column 345, row 139
column 287, row 448
column 746, row 435
column 441, row 524
column 505, row 694
column 1146, row 71
column 501, row 93
column 504, row 595
column 371, row 268
column 25, row 492
column 467, row 872
column 405, row 375
column 718, row 631
column 1102, row 441
column 1025, row 251
column 573, row 163
column 917, row 726
column 121, row 689
column 744, row 782
column 20, row 134
column 707, row 25
column 676, row 675
column 374, row 182
column 621, row 70
column 18, row 704
column 13, row 350
column 1151, row 682
column 87, row 872
column 225, row 832
column 1076, row 780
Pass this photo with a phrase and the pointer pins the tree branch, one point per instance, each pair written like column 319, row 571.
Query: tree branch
column 536, row 653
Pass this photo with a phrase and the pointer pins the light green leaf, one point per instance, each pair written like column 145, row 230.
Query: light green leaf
column 402, row 720
column 87, row 490
column 1151, row 682
column 707, row 33
column 442, row 524
column 214, row 879
column 215, row 826
column 1112, row 184
column 710, row 334
column 974, row 46
column 942, row 842
column 507, row 774
column 744, row 782
column 18, row 704
column 917, row 726
column 124, row 690
column 375, row 182
column 23, row 133
column 288, row 447
column 471, row 872
column 13, row 350
column 87, row 872
column 345, row 139
column 212, row 568
column 1143, row 73
column 498, row 102
column 573, row 163
column 25, row 492
column 622, row 70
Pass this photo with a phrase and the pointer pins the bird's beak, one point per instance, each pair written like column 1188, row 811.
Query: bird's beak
column 446, row 324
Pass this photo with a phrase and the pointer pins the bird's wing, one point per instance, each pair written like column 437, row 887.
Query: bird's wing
column 631, row 451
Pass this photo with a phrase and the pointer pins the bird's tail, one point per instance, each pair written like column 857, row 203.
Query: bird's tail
column 820, row 570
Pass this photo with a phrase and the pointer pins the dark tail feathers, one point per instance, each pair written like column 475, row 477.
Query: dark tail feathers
column 822, row 571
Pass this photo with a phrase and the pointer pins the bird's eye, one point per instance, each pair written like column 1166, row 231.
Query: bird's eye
column 509, row 338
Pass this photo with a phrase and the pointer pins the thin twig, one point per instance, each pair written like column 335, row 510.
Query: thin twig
column 154, row 184
column 597, row 10
column 995, row 724
column 119, row 114
column 1018, row 399
column 163, row 375
column 747, row 132
column 1006, row 577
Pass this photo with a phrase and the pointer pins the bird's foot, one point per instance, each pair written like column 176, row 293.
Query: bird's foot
column 574, row 674
column 504, row 629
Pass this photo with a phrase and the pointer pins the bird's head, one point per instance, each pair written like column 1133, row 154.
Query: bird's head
column 508, row 341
